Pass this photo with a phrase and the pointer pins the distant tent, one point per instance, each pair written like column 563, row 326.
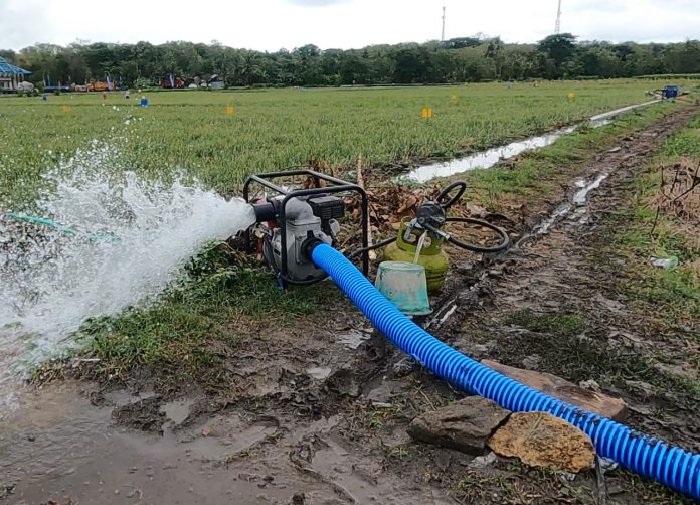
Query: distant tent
column 10, row 76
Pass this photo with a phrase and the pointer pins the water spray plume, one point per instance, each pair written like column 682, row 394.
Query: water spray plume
column 53, row 281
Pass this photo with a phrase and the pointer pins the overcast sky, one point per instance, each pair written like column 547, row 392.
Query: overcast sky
column 274, row 24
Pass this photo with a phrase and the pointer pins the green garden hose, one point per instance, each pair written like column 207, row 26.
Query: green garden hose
column 44, row 221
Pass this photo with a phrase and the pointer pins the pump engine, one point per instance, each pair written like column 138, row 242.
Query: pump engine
column 291, row 222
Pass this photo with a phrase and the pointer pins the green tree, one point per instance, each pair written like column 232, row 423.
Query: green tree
column 459, row 59
column 495, row 51
column 9, row 55
column 558, row 49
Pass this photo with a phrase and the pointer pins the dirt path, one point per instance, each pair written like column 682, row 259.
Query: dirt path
column 558, row 305
column 317, row 415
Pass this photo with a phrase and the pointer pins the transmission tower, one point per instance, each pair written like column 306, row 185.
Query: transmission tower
column 557, row 25
column 444, row 15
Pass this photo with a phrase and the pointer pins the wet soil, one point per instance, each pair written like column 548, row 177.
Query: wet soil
column 318, row 414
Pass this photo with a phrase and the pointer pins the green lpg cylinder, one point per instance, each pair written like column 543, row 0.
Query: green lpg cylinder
column 432, row 257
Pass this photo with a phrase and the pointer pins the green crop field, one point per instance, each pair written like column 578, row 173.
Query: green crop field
column 191, row 133
column 273, row 129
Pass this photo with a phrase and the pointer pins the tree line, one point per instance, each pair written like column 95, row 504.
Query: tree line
column 455, row 60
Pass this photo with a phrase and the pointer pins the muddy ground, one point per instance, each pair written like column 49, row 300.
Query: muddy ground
column 317, row 414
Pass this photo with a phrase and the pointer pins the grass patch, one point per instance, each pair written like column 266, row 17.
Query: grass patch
column 677, row 290
column 288, row 127
column 554, row 340
column 183, row 332
column 643, row 231
column 684, row 143
column 565, row 325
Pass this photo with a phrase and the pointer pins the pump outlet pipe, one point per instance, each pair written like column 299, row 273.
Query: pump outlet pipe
column 640, row 453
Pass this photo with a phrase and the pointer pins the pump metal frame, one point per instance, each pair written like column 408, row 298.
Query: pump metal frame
column 336, row 186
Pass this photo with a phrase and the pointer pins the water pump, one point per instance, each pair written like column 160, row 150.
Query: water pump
column 291, row 222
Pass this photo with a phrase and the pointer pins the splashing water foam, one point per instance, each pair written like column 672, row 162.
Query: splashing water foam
column 52, row 282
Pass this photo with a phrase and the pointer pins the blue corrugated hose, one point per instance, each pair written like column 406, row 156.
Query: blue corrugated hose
column 643, row 454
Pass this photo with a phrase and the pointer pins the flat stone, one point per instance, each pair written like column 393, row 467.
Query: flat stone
column 592, row 401
column 465, row 425
column 539, row 439
column 319, row 373
column 482, row 462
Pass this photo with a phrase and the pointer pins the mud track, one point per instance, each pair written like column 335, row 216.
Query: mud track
column 317, row 415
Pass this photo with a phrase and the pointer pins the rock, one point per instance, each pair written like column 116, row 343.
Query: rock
column 641, row 387
column 343, row 382
column 464, row 425
column 532, row 362
column 319, row 373
column 592, row 401
column 590, row 385
column 541, row 440
column 403, row 367
column 484, row 461
column 382, row 394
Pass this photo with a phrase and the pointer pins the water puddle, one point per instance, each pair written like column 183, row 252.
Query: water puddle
column 58, row 446
column 614, row 113
column 484, row 160
column 577, row 205
column 354, row 338
column 581, row 195
column 545, row 225
column 221, row 437
column 360, row 481
column 177, row 410
column 491, row 157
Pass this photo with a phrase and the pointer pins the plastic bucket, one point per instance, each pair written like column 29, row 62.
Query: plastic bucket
column 404, row 285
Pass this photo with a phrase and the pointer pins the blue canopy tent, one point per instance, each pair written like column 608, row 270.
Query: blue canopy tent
column 10, row 76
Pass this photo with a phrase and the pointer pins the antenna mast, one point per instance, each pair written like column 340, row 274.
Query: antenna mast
column 557, row 25
column 444, row 15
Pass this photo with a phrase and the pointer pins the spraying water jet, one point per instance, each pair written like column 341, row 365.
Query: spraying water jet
column 107, row 240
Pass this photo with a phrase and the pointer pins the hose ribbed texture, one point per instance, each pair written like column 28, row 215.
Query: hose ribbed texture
column 643, row 454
